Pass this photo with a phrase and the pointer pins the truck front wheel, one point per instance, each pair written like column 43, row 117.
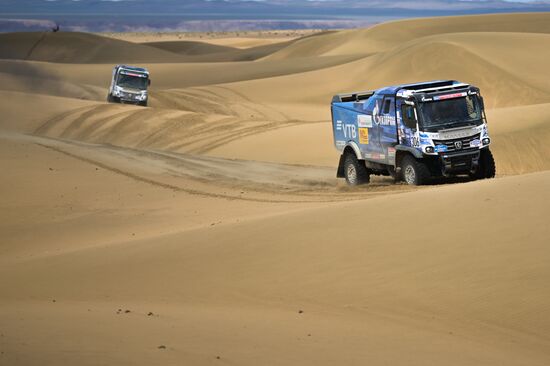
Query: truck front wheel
column 355, row 171
column 112, row 99
column 486, row 168
column 414, row 172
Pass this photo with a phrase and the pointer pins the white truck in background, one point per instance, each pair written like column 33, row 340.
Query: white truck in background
column 129, row 85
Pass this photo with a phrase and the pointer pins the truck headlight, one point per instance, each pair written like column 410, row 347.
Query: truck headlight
column 486, row 141
column 429, row 149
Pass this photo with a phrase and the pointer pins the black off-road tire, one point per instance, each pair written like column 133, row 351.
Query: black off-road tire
column 414, row 172
column 355, row 171
column 112, row 99
column 143, row 104
column 487, row 167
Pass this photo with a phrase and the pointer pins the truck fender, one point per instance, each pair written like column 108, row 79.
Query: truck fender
column 351, row 147
column 403, row 151
column 411, row 150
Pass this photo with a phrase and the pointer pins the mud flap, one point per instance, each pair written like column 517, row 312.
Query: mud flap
column 340, row 171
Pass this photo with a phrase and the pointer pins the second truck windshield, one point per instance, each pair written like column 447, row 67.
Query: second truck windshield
column 132, row 81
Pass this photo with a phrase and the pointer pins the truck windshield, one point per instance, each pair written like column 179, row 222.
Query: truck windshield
column 133, row 82
column 451, row 112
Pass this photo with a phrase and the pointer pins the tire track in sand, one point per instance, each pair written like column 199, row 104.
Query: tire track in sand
column 319, row 196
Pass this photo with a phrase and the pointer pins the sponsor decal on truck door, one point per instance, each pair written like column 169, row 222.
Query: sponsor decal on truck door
column 364, row 136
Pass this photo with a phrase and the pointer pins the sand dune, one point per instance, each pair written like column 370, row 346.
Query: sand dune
column 386, row 36
column 25, row 77
column 209, row 228
column 83, row 48
column 479, row 58
column 207, row 52
column 68, row 47
column 468, row 296
column 466, row 57
column 24, row 112
column 190, row 47
column 170, row 75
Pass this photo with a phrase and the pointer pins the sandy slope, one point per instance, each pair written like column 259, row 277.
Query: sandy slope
column 77, row 48
column 208, row 52
column 190, row 47
column 470, row 293
column 214, row 216
column 386, row 36
column 87, row 48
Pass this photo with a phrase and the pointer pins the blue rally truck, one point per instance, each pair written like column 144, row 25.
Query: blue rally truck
column 129, row 85
column 412, row 132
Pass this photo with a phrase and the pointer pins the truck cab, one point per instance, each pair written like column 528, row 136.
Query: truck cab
column 129, row 85
column 412, row 132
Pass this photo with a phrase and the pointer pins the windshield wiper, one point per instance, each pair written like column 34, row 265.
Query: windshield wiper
column 457, row 124
column 447, row 125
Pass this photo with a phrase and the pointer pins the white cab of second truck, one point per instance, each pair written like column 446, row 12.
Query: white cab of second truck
column 129, row 85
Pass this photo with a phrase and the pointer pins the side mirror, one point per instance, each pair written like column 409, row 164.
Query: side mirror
column 148, row 82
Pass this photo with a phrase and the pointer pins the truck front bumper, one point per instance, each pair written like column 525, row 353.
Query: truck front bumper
column 134, row 98
column 459, row 162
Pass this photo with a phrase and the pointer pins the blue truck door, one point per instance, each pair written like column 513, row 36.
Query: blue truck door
column 406, row 134
column 383, row 132
column 373, row 147
column 387, row 128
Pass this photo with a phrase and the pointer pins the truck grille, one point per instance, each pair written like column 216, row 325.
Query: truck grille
column 128, row 96
column 461, row 144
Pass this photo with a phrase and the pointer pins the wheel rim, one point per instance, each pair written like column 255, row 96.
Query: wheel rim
column 351, row 174
column 410, row 175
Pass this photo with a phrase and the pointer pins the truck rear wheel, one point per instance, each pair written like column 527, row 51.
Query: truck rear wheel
column 414, row 172
column 486, row 168
column 355, row 171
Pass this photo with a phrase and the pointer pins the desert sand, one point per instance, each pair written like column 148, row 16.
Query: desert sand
column 209, row 228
